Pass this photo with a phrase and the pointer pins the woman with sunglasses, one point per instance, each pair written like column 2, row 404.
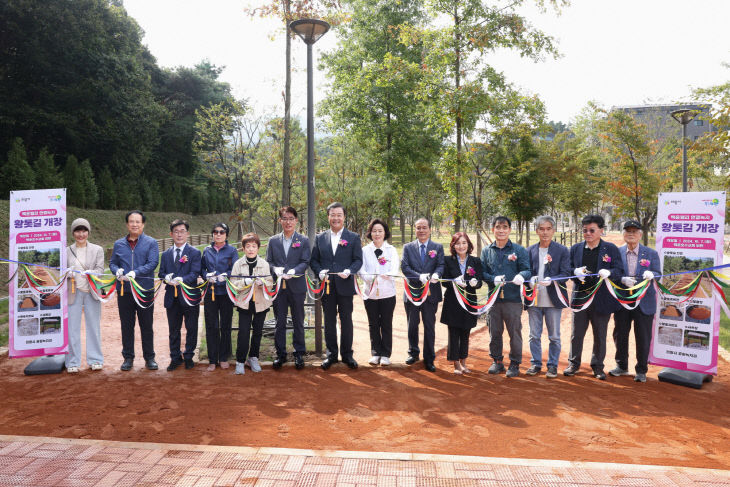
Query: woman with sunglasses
column 218, row 260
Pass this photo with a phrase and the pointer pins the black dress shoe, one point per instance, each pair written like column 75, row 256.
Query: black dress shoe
column 127, row 364
column 189, row 364
column 351, row 363
column 298, row 362
column 174, row 365
column 430, row 366
column 327, row 363
column 151, row 364
column 279, row 361
column 412, row 359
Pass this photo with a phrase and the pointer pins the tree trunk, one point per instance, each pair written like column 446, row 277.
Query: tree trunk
column 457, row 83
column 285, row 182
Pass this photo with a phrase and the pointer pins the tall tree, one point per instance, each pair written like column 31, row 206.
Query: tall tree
column 46, row 173
column 16, row 173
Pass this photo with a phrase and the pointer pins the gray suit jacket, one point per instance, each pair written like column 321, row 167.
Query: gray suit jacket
column 297, row 259
column 648, row 302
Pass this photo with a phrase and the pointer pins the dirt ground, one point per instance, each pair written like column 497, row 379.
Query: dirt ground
column 399, row 408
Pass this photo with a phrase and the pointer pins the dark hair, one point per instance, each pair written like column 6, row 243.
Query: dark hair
column 221, row 225
column 287, row 209
column 377, row 221
column 139, row 212
column 597, row 219
column 501, row 219
column 334, row 205
column 456, row 237
column 251, row 237
column 428, row 222
column 177, row 222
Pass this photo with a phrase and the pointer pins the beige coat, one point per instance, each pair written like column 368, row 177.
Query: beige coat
column 240, row 268
column 94, row 262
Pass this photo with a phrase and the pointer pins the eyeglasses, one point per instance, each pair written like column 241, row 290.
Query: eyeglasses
column 219, row 232
column 179, row 232
column 589, row 230
column 290, row 219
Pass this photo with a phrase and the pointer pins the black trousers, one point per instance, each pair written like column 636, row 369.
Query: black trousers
column 334, row 304
column 380, row 322
column 218, row 316
column 642, row 334
column 458, row 344
column 128, row 310
column 284, row 302
column 175, row 316
column 427, row 313
column 249, row 320
column 599, row 323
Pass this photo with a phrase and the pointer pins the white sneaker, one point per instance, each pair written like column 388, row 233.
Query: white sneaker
column 374, row 360
column 96, row 366
column 240, row 368
column 384, row 360
column 253, row 362
column 72, row 370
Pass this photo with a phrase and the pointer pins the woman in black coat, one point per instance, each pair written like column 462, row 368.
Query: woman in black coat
column 465, row 269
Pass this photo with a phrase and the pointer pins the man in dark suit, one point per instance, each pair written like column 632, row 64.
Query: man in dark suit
column 181, row 264
column 422, row 263
column 337, row 256
column 593, row 256
column 288, row 256
column 548, row 260
column 638, row 262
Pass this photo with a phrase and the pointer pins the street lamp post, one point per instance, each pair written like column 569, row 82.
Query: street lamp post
column 310, row 31
column 684, row 116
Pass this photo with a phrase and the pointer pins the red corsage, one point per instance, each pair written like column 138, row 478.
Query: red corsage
column 184, row 259
column 432, row 253
column 343, row 243
column 644, row 262
column 382, row 260
column 296, row 244
column 606, row 258
column 470, row 271
column 512, row 257
column 548, row 258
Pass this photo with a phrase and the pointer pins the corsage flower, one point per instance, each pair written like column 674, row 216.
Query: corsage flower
column 343, row 243
column 382, row 260
column 606, row 258
column 512, row 257
column 296, row 244
column 644, row 262
column 470, row 271
column 184, row 259
column 548, row 258
column 432, row 253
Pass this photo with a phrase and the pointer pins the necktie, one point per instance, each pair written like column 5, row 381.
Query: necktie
column 177, row 255
column 423, row 253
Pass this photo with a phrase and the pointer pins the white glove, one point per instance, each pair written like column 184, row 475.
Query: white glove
column 247, row 281
column 120, row 272
column 89, row 272
column 546, row 281
column 518, row 280
column 222, row 277
column 278, row 270
column 423, row 278
column 604, row 273
column 628, row 281
column 435, row 278
column 323, row 274
column 168, row 278
column 177, row 281
column 460, row 281
column 344, row 274
column 533, row 280
column 131, row 275
column 580, row 272
column 473, row 282
column 211, row 277
column 289, row 274
column 498, row 280
column 648, row 275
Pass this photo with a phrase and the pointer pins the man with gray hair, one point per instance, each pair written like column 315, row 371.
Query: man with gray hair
column 548, row 261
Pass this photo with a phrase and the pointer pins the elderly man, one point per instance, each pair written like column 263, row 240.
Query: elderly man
column 548, row 260
column 505, row 262
column 639, row 262
column 135, row 256
column 587, row 258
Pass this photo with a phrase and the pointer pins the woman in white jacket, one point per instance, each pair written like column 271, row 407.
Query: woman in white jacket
column 251, row 315
column 380, row 265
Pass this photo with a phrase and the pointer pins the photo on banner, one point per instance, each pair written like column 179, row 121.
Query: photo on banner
column 38, row 315
column 690, row 237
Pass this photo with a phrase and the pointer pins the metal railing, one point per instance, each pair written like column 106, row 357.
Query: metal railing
column 569, row 238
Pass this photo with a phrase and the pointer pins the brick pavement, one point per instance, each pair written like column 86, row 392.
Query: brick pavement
column 40, row 461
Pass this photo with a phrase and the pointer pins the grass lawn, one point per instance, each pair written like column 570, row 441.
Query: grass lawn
column 725, row 332
column 4, row 322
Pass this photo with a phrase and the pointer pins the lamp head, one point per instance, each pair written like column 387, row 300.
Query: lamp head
column 309, row 30
column 684, row 115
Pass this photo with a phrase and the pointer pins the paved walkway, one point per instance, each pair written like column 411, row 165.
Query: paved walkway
column 39, row 461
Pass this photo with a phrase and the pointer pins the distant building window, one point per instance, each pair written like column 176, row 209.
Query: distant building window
column 699, row 123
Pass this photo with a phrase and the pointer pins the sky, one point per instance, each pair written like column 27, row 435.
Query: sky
column 617, row 52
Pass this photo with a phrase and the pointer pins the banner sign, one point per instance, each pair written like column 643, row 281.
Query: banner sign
column 690, row 229
column 38, row 316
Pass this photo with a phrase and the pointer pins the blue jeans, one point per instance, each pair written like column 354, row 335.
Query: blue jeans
column 552, row 323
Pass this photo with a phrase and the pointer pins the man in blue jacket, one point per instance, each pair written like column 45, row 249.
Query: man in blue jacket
column 337, row 256
column 590, row 257
column 135, row 257
column 180, row 264
column 639, row 263
column 505, row 262
column 548, row 260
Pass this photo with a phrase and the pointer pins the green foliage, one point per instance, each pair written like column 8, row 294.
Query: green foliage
column 91, row 196
column 16, row 173
column 107, row 190
column 46, row 173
